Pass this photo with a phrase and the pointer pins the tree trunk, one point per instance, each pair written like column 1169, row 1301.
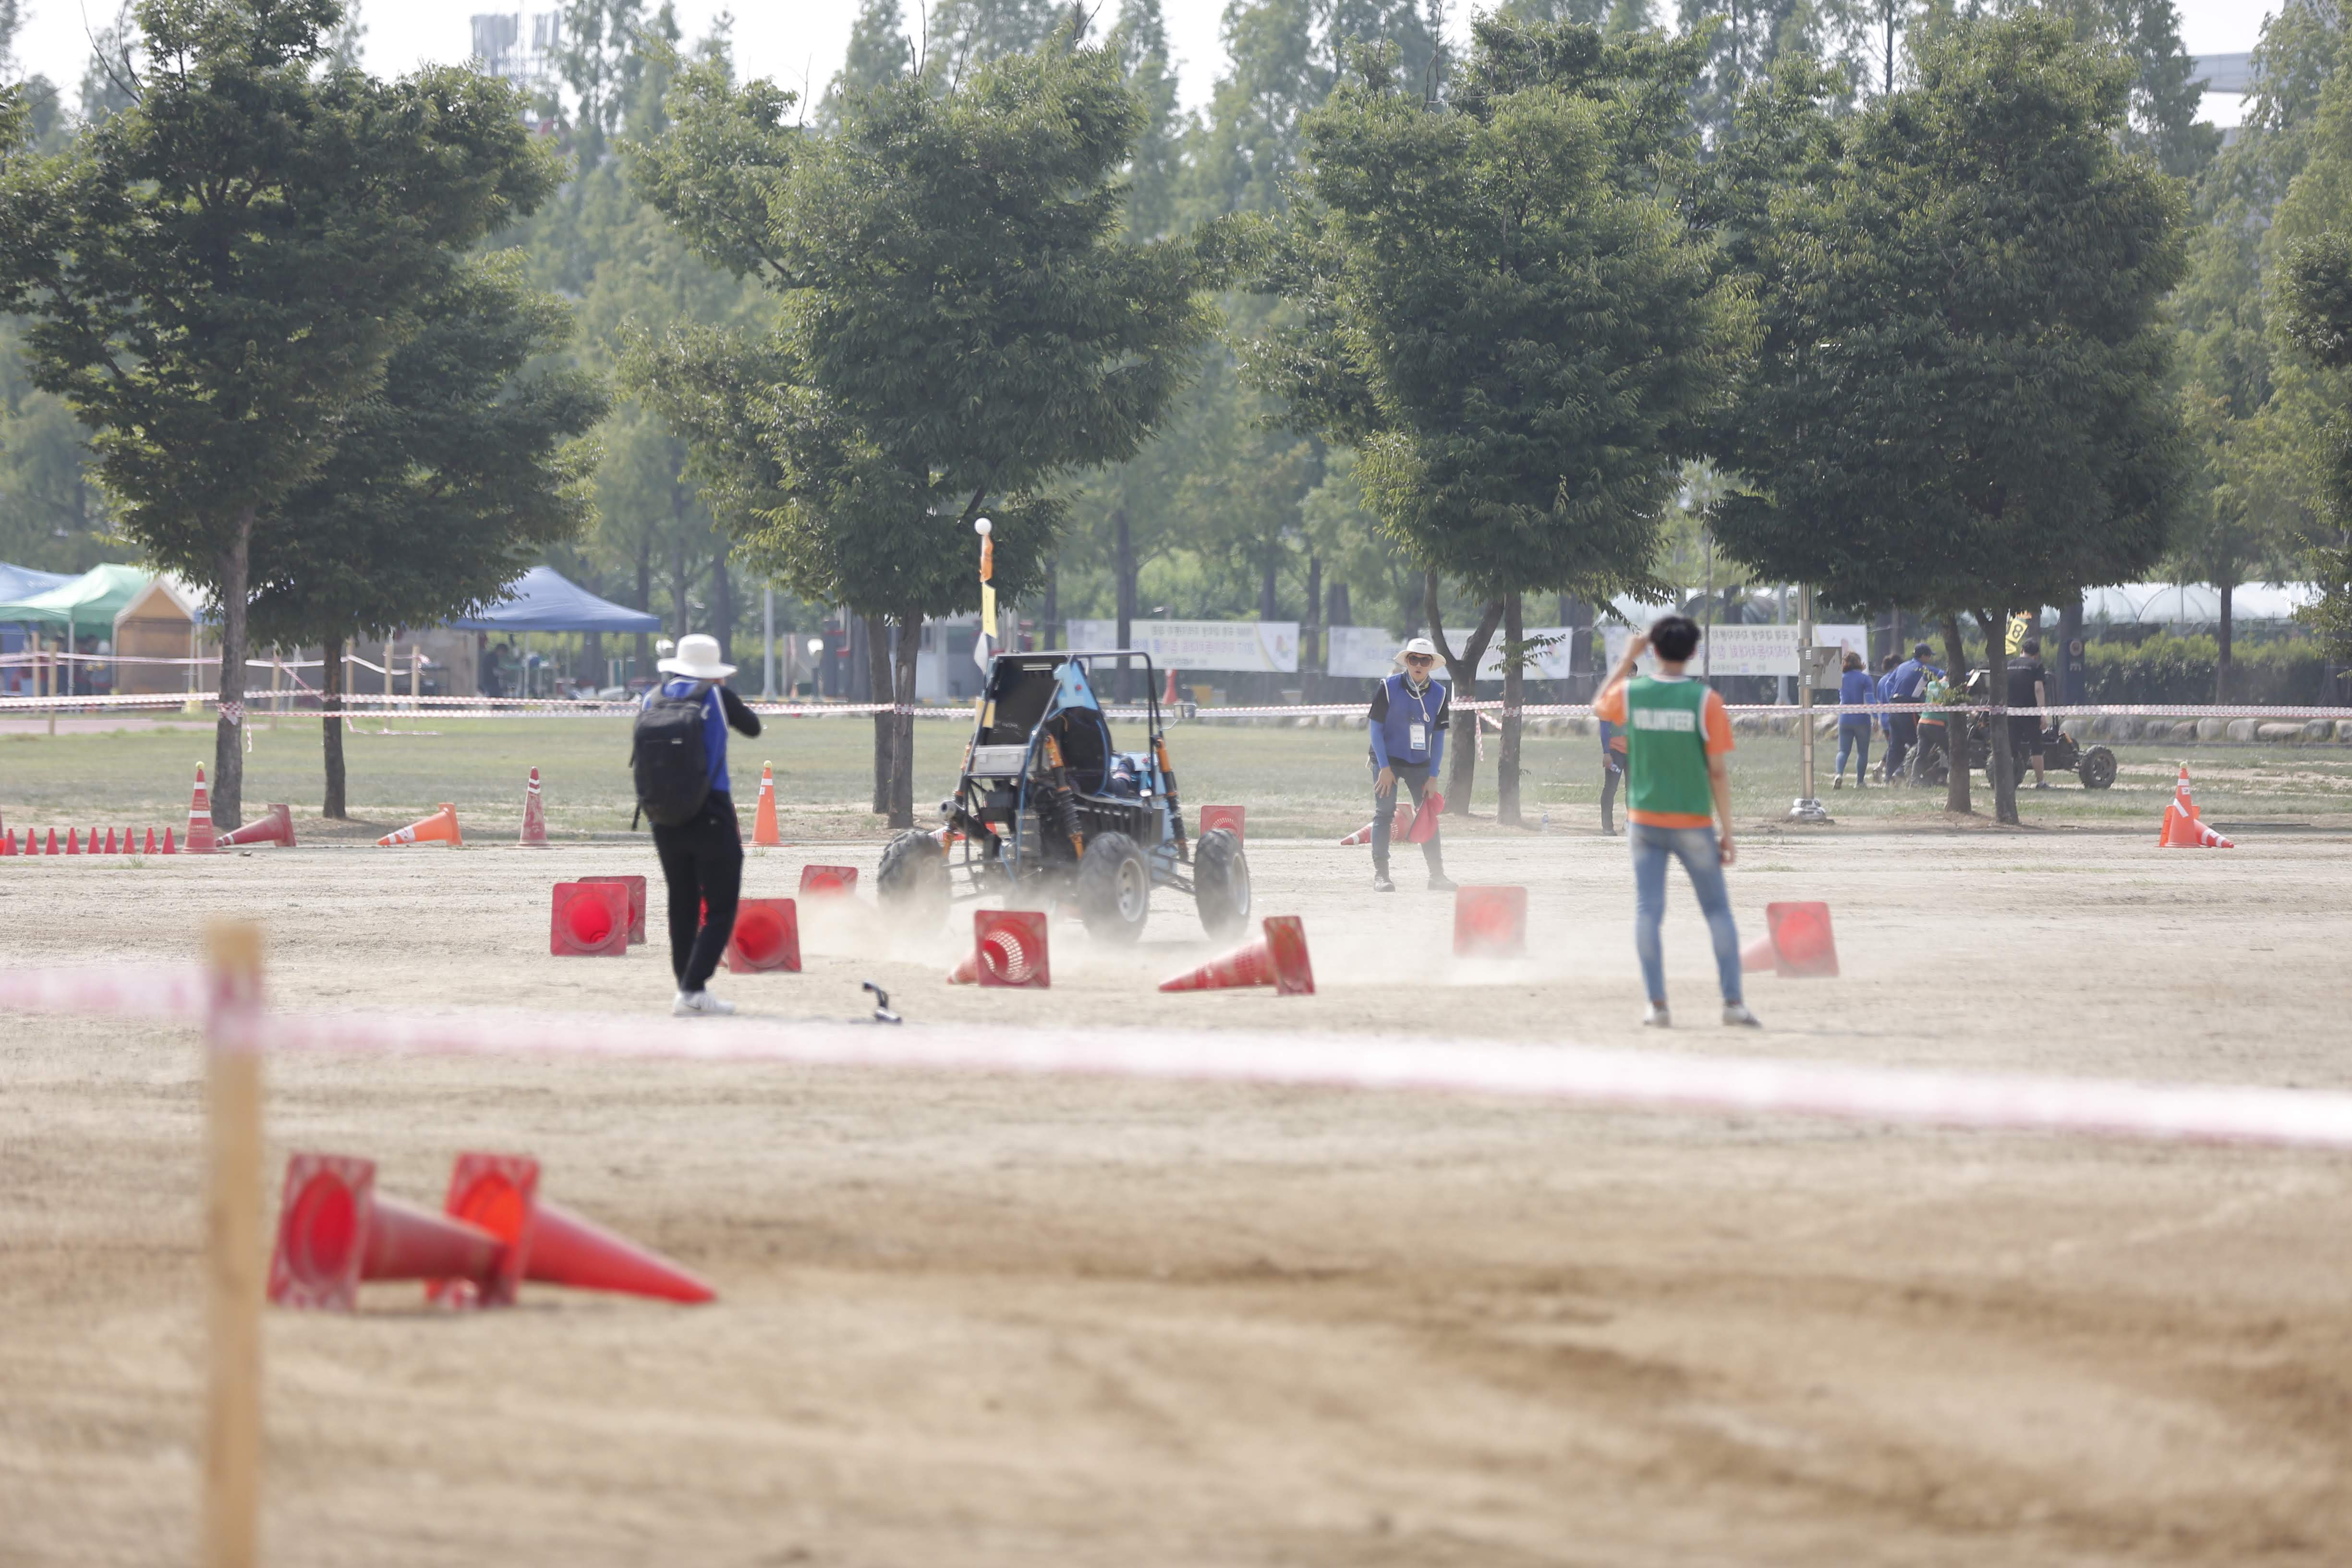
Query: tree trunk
column 2070, row 686
column 1956, row 726
column 1123, row 566
column 902, row 747
column 330, row 724
column 1462, row 746
column 2000, row 762
column 1515, row 687
column 1341, row 613
column 1268, row 608
column 723, row 605
column 877, row 681
column 644, row 663
column 2222, row 664
column 679, row 608
column 592, row 659
column 228, row 733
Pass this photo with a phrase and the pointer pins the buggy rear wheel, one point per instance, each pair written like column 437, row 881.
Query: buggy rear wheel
column 2098, row 768
column 1114, row 888
column 1221, row 882
column 912, row 881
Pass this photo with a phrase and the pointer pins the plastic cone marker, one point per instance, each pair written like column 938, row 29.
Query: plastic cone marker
column 1425, row 821
column 1277, row 958
column 1009, row 949
column 828, row 882
column 1399, row 827
column 110, row 841
column 766, row 938
column 335, row 1231
column 151, row 839
column 589, row 920
column 441, row 827
column 1490, row 922
column 129, row 841
column 1168, row 698
column 169, row 848
column 554, row 1246
column 1802, row 944
column 1215, row 817
column 7, row 842
column 275, row 826
column 636, row 886
column 53, row 841
column 200, row 818
column 534, row 815
column 73, row 845
column 764, row 819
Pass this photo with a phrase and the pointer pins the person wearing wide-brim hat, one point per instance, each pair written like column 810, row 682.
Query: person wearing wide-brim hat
column 702, row 856
column 1408, row 719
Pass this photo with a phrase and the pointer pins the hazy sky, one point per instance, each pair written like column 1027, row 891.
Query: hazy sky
column 799, row 41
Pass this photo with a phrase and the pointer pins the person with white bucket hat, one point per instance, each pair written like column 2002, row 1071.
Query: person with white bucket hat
column 1408, row 719
column 680, row 761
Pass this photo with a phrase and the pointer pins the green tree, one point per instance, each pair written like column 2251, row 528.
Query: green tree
column 218, row 274
column 929, row 366
column 1504, row 311
column 1961, row 400
column 444, row 488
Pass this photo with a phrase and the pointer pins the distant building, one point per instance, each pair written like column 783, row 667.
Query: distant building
column 525, row 48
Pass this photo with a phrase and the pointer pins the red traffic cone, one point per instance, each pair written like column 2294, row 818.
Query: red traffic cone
column 767, row 937
column 1425, row 821
column 1230, row 816
column 1277, row 958
column 828, row 882
column 168, row 848
column 553, row 1245
column 1398, row 828
column 200, row 818
column 151, row 839
column 589, row 920
column 110, row 841
column 636, row 886
column 763, row 818
column 274, row 825
column 1009, row 949
column 441, row 827
column 53, row 840
column 7, row 842
column 73, row 845
column 1801, row 944
column 334, row 1231
column 129, row 841
column 1490, row 922
column 534, row 815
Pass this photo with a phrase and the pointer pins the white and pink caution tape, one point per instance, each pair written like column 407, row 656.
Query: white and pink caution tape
column 146, row 992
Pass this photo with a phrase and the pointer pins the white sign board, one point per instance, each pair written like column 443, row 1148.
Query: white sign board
column 1265, row 647
column 1370, row 652
column 1747, row 649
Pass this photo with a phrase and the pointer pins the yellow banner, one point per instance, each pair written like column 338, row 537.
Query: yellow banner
column 988, row 608
column 2019, row 625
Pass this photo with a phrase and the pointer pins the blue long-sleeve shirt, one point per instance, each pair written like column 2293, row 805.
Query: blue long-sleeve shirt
column 1396, row 709
column 720, row 708
column 1856, row 686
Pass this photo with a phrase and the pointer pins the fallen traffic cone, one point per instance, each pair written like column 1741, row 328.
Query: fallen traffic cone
column 168, row 848
column 550, row 1245
column 1801, row 944
column 534, row 815
column 1009, row 949
column 1425, row 821
column 335, row 1231
column 1490, row 922
column 828, row 882
column 151, row 838
column 636, row 886
column 766, row 938
column 1398, row 828
column 1230, row 816
column 441, row 827
column 588, row 920
column 200, row 818
column 763, row 820
column 274, row 825
column 1277, row 958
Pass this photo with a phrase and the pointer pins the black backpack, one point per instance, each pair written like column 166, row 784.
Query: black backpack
column 668, row 755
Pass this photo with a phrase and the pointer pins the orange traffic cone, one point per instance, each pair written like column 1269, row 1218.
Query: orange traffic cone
column 1398, row 828
column 200, row 818
column 1490, row 922
column 763, row 820
column 335, row 1230
column 636, row 886
column 274, row 825
column 1277, row 958
column 1801, row 944
column 1425, row 821
column 1009, row 948
column 534, row 815
column 441, row 827
column 1227, row 816
column 589, row 920
column 2183, row 828
column 767, row 937
column 544, row 1241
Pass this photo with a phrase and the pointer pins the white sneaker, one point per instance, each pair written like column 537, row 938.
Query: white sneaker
column 1657, row 1017
column 699, row 1004
column 1736, row 1015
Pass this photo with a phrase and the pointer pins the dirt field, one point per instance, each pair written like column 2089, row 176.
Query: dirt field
column 984, row 1322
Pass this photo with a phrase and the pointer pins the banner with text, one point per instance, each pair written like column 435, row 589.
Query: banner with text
column 1370, row 652
column 1268, row 647
column 1750, row 649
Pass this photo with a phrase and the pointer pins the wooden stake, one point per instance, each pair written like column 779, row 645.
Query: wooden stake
column 233, row 1258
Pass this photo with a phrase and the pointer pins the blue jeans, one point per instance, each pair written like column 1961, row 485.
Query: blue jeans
column 1850, row 736
column 1696, row 848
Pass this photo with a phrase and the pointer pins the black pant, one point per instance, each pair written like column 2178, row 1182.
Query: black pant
column 1414, row 777
column 1611, row 770
column 702, row 863
column 1902, row 734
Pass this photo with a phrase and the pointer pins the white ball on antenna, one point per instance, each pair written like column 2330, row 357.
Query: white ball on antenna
column 984, row 527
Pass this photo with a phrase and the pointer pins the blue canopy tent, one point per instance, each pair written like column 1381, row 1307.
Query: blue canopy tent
column 22, row 582
column 544, row 600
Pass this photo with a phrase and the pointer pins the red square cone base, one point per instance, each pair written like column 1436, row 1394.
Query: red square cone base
column 1009, row 949
column 828, row 882
column 1803, row 945
column 1215, row 817
column 589, row 920
column 767, row 938
column 335, row 1231
column 636, row 886
column 1490, row 922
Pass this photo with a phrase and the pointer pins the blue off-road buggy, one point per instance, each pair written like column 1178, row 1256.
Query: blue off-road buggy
column 1049, row 812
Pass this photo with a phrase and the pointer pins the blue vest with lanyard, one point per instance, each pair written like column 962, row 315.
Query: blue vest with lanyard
column 1408, row 732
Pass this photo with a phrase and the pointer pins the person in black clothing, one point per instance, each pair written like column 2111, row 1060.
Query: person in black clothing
column 2026, row 689
column 702, row 859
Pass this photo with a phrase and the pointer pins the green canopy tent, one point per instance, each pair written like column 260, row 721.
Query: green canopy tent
column 92, row 599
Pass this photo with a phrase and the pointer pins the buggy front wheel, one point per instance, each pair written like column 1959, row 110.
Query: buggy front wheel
column 1221, row 882
column 912, row 881
column 2097, row 768
column 1114, row 888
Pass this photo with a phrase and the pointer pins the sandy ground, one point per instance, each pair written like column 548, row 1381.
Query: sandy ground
column 981, row 1321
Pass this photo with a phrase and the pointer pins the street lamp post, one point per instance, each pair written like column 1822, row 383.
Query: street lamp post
column 1808, row 806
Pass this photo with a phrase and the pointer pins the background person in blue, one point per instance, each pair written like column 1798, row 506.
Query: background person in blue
column 1903, row 729
column 702, row 860
column 1855, row 686
column 1408, row 727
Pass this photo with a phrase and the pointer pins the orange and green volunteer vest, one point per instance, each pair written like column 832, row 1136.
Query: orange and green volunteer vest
column 1666, row 765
